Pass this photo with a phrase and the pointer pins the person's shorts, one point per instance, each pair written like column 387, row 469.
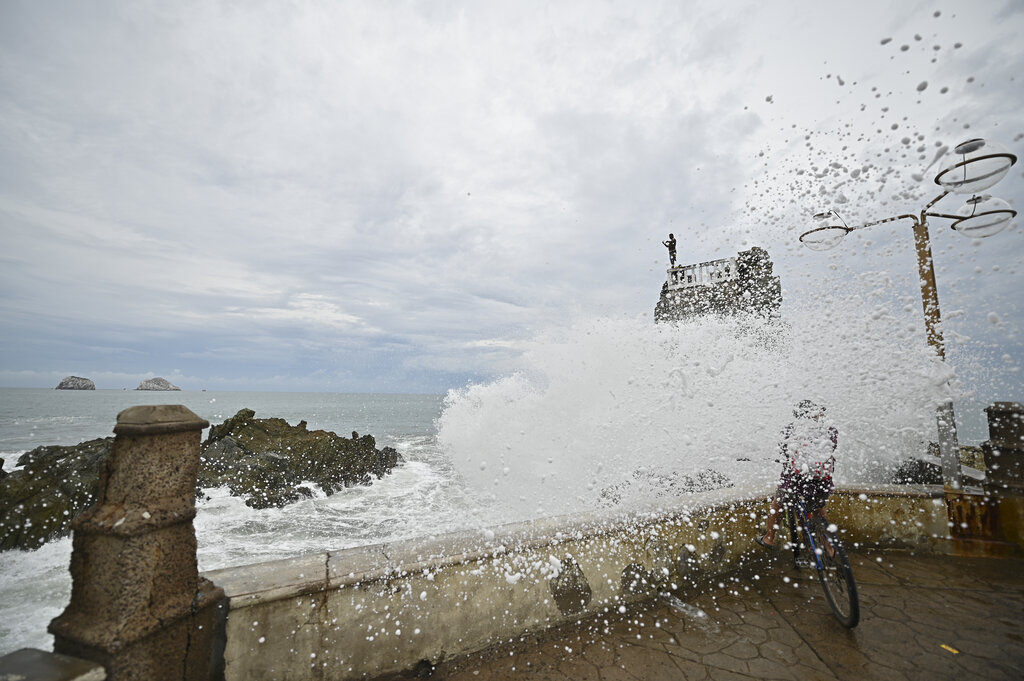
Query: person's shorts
column 812, row 490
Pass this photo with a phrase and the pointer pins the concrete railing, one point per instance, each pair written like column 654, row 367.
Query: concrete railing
column 384, row 608
column 702, row 274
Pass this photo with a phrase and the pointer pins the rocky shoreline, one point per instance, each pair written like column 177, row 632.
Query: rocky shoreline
column 264, row 461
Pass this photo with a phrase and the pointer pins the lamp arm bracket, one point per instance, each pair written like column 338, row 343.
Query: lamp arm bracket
column 892, row 219
column 943, row 215
column 934, row 201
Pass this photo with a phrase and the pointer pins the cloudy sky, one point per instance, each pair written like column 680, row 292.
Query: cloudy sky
column 395, row 196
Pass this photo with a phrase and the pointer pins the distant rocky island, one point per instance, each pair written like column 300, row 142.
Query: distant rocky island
column 79, row 383
column 157, row 384
column 76, row 383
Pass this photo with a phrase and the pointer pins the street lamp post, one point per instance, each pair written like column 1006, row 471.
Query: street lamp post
column 974, row 165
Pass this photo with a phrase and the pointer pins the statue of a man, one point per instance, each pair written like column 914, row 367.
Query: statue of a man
column 671, row 245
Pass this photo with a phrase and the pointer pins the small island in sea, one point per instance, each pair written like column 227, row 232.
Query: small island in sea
column 76, row 383
column 157, row 384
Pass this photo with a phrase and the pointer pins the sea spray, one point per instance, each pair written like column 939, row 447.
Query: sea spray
column 602, row 399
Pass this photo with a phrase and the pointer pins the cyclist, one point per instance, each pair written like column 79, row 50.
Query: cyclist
column 807, row 447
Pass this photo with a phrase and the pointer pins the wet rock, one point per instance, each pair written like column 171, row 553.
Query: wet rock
column 917, row 472
column 927, row 470
column 76, row 383
column 52, row 486
column 267, row 461
column 647, row 483
column 157, row 384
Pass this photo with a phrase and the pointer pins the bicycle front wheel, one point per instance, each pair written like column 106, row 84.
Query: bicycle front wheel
column 836, row 575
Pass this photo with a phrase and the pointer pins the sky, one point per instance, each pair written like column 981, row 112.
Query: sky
column 397, row 196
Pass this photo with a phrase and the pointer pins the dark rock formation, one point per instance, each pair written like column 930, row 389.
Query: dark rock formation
column 157, row 384
column 76, row 383
column 263, row 460
column 647, row 484
column 53, row 485
column 266, row 460
column 917, row 472
column 928, row 471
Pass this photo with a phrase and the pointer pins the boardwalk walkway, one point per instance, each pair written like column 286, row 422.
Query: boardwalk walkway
column 923, row 617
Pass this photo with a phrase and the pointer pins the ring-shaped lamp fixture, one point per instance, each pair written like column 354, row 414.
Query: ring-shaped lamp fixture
column 974, row 165
column 830, row 230
column 983, row 216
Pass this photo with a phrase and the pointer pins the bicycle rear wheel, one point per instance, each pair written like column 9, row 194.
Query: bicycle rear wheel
column 836, row 575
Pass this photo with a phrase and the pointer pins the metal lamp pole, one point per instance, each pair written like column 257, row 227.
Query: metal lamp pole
column 976, row 165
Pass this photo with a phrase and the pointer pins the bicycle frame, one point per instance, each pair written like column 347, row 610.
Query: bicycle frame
column 792, row 506
column 830, row 562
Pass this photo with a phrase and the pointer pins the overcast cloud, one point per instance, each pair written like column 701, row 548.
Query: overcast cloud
column 392, row 196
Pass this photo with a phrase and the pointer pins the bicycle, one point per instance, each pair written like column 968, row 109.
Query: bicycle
column 821, row 549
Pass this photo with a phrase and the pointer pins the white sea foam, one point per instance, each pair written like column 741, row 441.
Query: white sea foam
column 36, row 588
column 11, row 460
column 417, row 498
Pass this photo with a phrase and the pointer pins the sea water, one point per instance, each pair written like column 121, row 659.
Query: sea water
column 598, row 403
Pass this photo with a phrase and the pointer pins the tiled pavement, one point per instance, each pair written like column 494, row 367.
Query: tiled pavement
column 922, row 617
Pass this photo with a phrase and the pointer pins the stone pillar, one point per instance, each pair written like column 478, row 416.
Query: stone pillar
column 1004, row 450
column 1004, row 467
column 138, row 606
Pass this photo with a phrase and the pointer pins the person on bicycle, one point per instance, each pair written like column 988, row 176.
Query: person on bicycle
column 807, row 448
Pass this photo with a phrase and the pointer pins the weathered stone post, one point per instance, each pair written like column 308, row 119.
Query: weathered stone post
column 138, row 606
column 1004, row 450
column 992, row 523
column 1004, row 466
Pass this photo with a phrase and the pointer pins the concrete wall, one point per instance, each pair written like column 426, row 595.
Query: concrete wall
column 897, row 516
column 384, row 608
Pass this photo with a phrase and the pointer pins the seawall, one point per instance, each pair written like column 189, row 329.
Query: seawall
column 373, row 610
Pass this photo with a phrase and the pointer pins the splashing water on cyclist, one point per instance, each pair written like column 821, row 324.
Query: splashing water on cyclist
column 807, row 449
